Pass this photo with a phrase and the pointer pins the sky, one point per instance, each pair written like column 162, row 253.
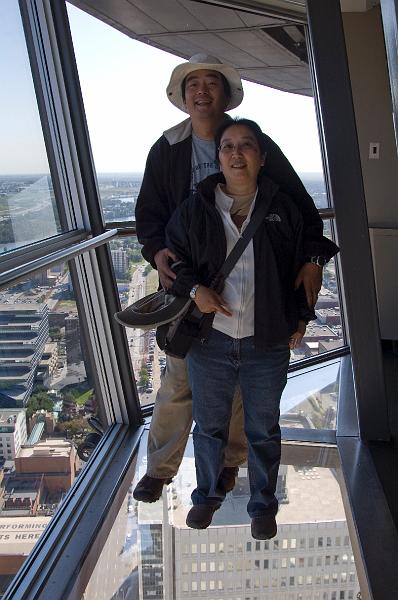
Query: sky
column 124, row 92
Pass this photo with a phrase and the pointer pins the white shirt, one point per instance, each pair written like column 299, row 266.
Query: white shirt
column 238, row 293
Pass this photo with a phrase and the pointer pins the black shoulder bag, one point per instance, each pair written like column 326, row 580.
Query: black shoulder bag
column 175, row 338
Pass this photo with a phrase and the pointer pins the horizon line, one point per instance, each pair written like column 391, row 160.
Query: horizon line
column 126, row 173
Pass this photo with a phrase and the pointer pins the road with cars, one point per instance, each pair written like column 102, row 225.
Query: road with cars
column 143, row 348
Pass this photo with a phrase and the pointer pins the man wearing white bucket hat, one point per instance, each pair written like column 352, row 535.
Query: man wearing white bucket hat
column 184, row 155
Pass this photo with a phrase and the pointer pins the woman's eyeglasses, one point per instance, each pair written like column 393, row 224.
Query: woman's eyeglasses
column 229, row 147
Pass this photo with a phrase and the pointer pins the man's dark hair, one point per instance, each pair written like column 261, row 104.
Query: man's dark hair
column 225, row 82
column 252, row 125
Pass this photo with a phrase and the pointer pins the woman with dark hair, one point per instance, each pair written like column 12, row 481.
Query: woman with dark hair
column 257, row 316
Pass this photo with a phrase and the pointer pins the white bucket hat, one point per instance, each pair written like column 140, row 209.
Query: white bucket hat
column 210, row 63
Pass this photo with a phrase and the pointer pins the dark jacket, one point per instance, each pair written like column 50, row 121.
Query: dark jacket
column 166, row 184
column 196, row 234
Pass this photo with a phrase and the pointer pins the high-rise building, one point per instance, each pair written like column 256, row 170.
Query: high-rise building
column 311, row 554
column 120, row 261
column 23, row 335
column 73, row 340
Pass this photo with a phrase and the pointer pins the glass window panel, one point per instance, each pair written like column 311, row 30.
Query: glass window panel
column 326, row 332
column 120, row 165
column 314, row 510
column 309, row 399
column 28, row 210
column 48, row 401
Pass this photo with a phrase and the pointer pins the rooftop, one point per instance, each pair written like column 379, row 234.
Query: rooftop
column 49, row 447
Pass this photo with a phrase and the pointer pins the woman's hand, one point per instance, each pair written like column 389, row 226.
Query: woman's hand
column 295, row 339
column 310, row 276
column 208, row 301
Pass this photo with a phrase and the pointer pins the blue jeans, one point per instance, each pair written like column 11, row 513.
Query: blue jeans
column 215, row 369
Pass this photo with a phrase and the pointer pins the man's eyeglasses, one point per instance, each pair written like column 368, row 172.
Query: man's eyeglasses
column 229, row 147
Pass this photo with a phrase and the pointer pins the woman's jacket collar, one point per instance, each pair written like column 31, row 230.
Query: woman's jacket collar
column 206, row 188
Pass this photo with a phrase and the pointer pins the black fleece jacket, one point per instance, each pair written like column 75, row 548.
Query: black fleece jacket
column 196, row 234
column 166, row 184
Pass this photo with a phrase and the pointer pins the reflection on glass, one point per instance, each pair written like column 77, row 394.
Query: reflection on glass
column 309, row 400
column 47, row 403
column 154, row 555
column 325, row 333
column 28, row 211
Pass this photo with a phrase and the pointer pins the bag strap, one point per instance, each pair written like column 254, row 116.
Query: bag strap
column 233, row 257
column 254, row 223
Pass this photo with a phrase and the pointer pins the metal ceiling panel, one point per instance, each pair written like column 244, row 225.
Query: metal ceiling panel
column 221, row 18
column 259, row 48
column 180, row 45
column 122, row 15
column 172, row 14
column 295, row 80
column 217, row 16
column 252, row 20
column 229, row 49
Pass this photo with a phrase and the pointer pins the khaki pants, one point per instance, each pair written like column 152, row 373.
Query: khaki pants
column 172, row 420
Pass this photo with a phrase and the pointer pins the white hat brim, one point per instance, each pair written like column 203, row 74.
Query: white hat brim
column 174, row 91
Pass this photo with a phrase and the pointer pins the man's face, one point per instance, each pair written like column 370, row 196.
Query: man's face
column 205, row 95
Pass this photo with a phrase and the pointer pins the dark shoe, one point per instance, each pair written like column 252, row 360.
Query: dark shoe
column 228, row 477
column 264, row 527
column 200, row 516
column 149, row 489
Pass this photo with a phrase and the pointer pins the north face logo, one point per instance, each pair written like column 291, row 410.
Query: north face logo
column 273, row 217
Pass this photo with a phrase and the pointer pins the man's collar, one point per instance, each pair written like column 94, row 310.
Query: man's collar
column 181, row 131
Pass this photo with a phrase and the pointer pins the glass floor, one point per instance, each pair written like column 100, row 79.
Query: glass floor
column 150, row 553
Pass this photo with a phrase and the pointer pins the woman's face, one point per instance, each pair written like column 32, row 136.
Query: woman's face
column 240, row 157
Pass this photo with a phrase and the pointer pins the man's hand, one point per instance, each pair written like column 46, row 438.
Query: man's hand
column 310, row 276
column 208, row 301
column 297, row 336
column 166, row 275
